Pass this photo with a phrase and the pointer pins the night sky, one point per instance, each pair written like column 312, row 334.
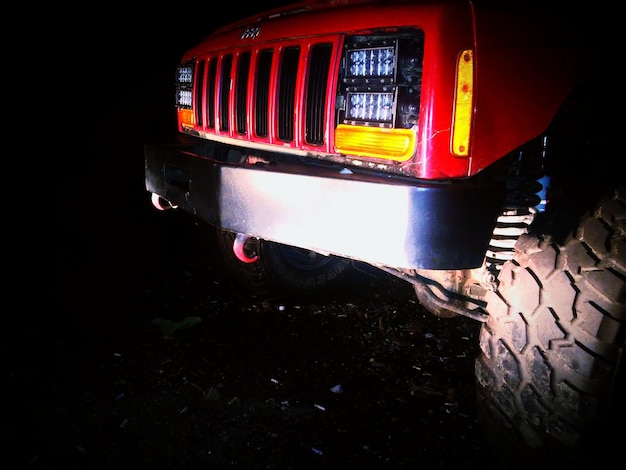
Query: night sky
column 102, row 85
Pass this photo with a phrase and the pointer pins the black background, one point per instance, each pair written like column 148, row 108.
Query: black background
column 91, row 262
column 93, row 382
column 103, row 86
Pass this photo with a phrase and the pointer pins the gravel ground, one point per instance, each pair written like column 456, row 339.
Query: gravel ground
column 148, row 354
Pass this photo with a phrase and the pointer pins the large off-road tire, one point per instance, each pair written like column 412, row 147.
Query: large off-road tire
column 282, row 271
column 550, row 372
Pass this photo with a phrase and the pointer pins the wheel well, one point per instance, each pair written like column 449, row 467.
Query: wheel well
column 576, row 155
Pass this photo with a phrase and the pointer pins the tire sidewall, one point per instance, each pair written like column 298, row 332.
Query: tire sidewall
column 551, row 349
column 302, row 271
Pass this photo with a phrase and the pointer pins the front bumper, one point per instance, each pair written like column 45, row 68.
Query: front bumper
column 380, row 220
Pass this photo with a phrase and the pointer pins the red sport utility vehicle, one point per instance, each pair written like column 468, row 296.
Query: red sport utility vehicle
column 459, row 145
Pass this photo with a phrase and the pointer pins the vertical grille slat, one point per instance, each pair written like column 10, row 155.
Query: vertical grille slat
column 287, row 93
column 316, row 93
column 210, row 93
column 197, row 105
column 227, row 63
column 241, row 91
column 262, row 92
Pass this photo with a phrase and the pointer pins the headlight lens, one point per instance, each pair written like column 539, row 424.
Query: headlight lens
column 371, row 62
column 184, row 86
column 379, row 88
column 377, row 107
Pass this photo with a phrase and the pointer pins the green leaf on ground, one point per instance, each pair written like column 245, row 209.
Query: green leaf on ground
column 169, row 327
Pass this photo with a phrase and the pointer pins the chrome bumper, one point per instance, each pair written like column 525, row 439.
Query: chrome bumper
column 375, row 219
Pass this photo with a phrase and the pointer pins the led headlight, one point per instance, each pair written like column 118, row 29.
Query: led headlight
column 372, row 62
column 377, row 107
column 184, row 85
column 380, row 88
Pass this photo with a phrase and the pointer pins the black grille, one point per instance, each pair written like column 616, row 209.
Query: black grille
column 287, row 93
column 241, row 91
column 210, row 100
column 227, row 63
column 197, row 105
column 316, row 93
column 261, row 96
column 240, row 83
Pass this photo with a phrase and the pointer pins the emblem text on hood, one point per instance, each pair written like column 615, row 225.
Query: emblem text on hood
column 251, row 32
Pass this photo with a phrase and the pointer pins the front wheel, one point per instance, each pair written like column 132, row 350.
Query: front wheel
column 282, row 270
column 550, row 371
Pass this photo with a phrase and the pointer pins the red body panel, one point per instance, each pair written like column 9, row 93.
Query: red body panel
column 525, row 68
column 526, row 65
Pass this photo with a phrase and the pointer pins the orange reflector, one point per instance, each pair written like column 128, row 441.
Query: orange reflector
column 463, row 104
column 375, row 142
column 185, row 117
